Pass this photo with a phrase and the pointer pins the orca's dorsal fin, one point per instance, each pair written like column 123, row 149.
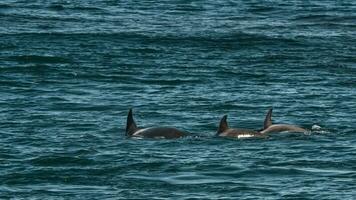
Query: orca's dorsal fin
column 268, row 120
column 223, row 124
column 130, row 124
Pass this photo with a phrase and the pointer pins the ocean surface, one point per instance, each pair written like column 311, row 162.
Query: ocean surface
column 71, row 69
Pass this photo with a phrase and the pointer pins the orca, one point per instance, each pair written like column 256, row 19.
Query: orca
column 268, row 127
column 225, row 131
column 154, row 132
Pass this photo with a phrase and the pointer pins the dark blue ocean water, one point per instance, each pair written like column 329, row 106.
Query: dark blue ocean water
column 71, row 69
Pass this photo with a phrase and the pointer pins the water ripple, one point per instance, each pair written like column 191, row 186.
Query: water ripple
column 70, row 70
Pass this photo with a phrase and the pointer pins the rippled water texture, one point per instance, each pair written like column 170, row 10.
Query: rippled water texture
column 70, row 70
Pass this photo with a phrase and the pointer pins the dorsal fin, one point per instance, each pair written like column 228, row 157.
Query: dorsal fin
column 268, row 120
column 223, row 124
column 130, row 124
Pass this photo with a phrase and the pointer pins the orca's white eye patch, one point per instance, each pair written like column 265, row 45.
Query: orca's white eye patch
column 244, row 136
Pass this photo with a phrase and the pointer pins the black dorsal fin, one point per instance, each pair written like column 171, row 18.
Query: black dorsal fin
column 223, row 124
column 268, row 120
column 130, row 124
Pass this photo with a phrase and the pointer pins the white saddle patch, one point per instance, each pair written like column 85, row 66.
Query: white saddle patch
column 140, row 131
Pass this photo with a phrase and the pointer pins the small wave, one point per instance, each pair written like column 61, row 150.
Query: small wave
column 324, row 18
column 193, row 179
column 186, row 178
column 34, row 69
column 52, row 160
column 261, row 9
column 60, row 7
column 80, row 8
column 325, row 171
column 166, row 81
column 202, row 39
column 56, row 7
column 5, row 6
column 38, row 59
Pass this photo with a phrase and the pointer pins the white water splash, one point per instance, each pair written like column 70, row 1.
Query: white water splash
column 316, row 127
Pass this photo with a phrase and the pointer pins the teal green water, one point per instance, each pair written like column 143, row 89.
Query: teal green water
column 70, row 71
